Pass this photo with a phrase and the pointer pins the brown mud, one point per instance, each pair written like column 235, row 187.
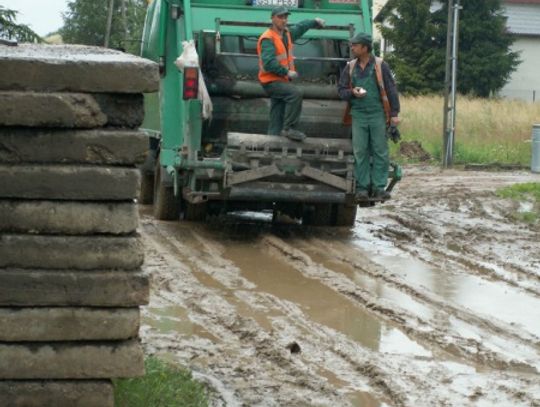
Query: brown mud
column 432, row 299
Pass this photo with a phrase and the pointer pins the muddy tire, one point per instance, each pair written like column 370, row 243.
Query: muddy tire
column 166, row 205
column 345, row 215
column 146, row 194
column 195, row 212
column 321, row 215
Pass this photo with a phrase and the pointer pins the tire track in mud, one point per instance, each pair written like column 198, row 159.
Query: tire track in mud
column 379, row 273
column 399, row 381
column 365, row 364
column 474, row 261
column 224, row 322
column 426, row 331
column 240, row 345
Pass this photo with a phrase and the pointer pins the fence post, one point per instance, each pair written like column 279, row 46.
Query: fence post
column 535, row 147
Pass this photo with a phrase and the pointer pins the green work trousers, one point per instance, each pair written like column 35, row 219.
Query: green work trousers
column 369, row 140
column 285, row 106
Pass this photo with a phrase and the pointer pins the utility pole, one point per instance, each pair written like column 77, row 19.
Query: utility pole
column 124, row 24
column 450, row 82
column 109, row 24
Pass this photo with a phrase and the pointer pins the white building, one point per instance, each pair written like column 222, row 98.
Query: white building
column 524, row 23
column 377, row 7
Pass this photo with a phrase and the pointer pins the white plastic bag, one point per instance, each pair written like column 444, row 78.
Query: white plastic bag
column 190, row 58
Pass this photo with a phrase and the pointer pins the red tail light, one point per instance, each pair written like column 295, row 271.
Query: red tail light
column 191, row 83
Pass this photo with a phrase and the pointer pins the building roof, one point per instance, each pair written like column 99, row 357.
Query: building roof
column 523, row 16
column 522, row 1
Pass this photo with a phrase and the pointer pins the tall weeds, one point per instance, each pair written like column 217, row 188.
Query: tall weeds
column 487, row 130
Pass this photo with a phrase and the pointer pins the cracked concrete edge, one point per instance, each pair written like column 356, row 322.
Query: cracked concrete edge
column 70, row 110
column 59, row 393
column 42, row 288
column 75, row 68
column 63, row 146
column 71, row 252
column 44, row 324
column 69, row 182
column 71, row 360
column 68, row 217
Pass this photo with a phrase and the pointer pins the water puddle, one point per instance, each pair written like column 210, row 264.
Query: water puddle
column 394, row 341
column 371, row 284
column 494, row 300
column 320, row 303
column 174, row 319
column 362, row 399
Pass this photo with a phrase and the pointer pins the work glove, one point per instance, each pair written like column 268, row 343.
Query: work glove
column 392, row 133
column 320, row 21
column 292, row 75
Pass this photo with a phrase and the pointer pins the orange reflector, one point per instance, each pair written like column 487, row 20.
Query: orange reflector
column 191, row 73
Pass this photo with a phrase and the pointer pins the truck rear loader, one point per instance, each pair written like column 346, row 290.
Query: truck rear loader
column 198, row 166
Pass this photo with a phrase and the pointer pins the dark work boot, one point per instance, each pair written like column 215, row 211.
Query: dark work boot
column 382, row 195
column 361, row 195
column 293, row 134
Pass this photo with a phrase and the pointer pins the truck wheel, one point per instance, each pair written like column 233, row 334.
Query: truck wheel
column 166, row 205
column 195, row 212
column 146, row 195
column 320, row 215
column 345, row 214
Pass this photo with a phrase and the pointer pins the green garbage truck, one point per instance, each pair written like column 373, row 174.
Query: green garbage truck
column 200, row 165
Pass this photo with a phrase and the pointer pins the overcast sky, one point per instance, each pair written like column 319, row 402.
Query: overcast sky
column 43, row 16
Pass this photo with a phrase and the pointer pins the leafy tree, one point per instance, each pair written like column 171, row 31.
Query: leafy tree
column 485, row 61
column 418, row 34
column 85, row 22
column 416, row 59
column 11, row 30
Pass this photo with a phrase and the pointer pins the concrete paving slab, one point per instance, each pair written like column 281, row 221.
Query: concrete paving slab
column 68, row 324
column 35, row 288
column 122, row 110
column 65, row 182
column 67, row 217
column 70, row 110
column 75, row 68
column 48, row 146
column 60, row 393
column 71, row 360
column 71, row 252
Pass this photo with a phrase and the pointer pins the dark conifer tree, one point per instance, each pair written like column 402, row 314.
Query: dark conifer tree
column 416, row 57
column 417, row 31
column 11, row 30
column 485, row 57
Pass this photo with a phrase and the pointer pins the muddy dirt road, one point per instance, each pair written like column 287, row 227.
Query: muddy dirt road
column 432, row 299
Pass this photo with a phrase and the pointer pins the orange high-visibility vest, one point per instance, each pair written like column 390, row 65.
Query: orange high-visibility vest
column 283, row 55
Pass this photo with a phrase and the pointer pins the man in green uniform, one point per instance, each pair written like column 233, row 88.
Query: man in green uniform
column 368, row 85
column 277, row 71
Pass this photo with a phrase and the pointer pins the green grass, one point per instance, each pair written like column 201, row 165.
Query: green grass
column 527, row 192
column 163, row 385
column 487, row 130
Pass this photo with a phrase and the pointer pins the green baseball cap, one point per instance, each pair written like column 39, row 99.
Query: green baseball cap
column 280, row 10
column 362, row 38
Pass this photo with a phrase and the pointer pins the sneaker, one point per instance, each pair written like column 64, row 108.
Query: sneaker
column 361, row 195
column 293, row 134
column 382, row 195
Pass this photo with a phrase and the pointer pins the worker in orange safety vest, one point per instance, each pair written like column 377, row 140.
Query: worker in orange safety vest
column 277, row 71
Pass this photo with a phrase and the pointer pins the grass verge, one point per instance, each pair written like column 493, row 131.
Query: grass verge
column 487, row 130
column 163, row 385
column 528, row 195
